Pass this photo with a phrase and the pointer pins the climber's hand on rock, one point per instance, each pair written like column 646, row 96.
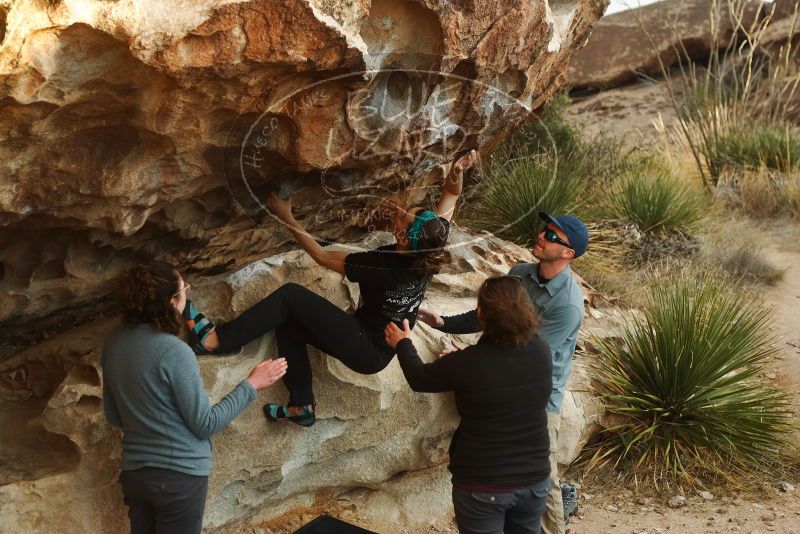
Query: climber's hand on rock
column 282, row 209
column 267, row 373
column 430, row 317
column 394, row 335
column 466, row 161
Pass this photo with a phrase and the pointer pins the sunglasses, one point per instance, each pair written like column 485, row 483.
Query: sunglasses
column 552, row 237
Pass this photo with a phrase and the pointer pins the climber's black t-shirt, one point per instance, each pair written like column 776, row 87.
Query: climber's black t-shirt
column 390, row 288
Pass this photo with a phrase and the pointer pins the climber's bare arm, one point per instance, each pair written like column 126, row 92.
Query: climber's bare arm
column 453, row 184
column 330, row 259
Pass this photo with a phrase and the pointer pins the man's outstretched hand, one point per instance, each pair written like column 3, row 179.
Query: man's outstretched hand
column 430, row 317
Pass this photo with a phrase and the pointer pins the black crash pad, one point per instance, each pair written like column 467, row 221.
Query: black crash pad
column 326, row 524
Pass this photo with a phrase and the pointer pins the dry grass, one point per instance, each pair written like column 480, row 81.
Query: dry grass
column 766, row 194
column 734, row 247
column 725, row 246
column 735, row 109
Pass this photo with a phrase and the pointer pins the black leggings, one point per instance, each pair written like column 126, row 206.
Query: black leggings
column 302, row 317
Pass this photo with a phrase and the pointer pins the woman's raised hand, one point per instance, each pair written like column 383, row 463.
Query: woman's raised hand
column 394, row 335
column 267, row 373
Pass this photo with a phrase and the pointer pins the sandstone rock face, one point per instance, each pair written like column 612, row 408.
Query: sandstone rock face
column 153, row 127
column 636, row 42
column 59, row 459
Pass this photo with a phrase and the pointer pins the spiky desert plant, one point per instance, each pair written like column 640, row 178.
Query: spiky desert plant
column 513, row 192
column 547, row 166
column 683, row 384
column 649, row 196
column 770, row 145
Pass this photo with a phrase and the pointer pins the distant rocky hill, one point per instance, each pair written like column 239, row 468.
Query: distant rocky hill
column 616, row 80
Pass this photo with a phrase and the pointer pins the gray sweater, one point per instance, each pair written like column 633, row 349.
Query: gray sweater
column 152, row 390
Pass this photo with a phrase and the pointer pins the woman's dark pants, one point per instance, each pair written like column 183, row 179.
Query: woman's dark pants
column 162, row 501
column 301, row 317
column 515, row 512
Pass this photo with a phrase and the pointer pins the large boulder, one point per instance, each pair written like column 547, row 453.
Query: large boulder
column 156, row 126
column 640, row 42
column 377, row 447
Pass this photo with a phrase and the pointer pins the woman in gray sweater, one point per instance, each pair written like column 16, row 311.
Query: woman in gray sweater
column 152, row 390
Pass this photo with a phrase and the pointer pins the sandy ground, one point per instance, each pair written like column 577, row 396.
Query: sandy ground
column 626, row 514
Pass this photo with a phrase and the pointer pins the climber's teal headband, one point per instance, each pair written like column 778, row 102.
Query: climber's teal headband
column 414, row 230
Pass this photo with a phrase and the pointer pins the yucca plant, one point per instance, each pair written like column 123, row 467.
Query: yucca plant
column 683, row 384
column 655, row 200
column 547, row 166
column 513, row 192
column 770, row 145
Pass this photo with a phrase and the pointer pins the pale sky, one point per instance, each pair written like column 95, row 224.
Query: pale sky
column 621, row 5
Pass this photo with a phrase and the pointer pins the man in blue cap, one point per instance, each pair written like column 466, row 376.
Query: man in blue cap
column 558, row 296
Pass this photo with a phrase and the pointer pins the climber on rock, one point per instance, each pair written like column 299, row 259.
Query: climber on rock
column 392, row 280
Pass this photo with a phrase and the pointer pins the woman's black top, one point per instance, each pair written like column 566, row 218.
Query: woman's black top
column 391, row 288
column 501, row 395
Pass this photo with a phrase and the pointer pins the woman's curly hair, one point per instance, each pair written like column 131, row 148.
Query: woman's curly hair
column 431, row 256
column 145, row 295
column 507, row 315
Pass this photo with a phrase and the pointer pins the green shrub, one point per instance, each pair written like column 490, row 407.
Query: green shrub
column 734, row 107
column 683, row 384
column 650, row 197
column 771, row 145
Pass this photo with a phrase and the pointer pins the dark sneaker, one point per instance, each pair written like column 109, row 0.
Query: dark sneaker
column 198, row 326
column 569, row 496
column 301, row 415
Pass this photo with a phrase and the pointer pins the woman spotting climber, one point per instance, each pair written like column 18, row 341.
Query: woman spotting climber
column 152, row 390
column 500, row 453
column 392, row 280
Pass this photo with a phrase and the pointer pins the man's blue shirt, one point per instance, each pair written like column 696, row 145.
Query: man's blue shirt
column 560, row 304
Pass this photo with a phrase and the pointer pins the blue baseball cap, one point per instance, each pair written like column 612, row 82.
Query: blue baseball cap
column 573, row 228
